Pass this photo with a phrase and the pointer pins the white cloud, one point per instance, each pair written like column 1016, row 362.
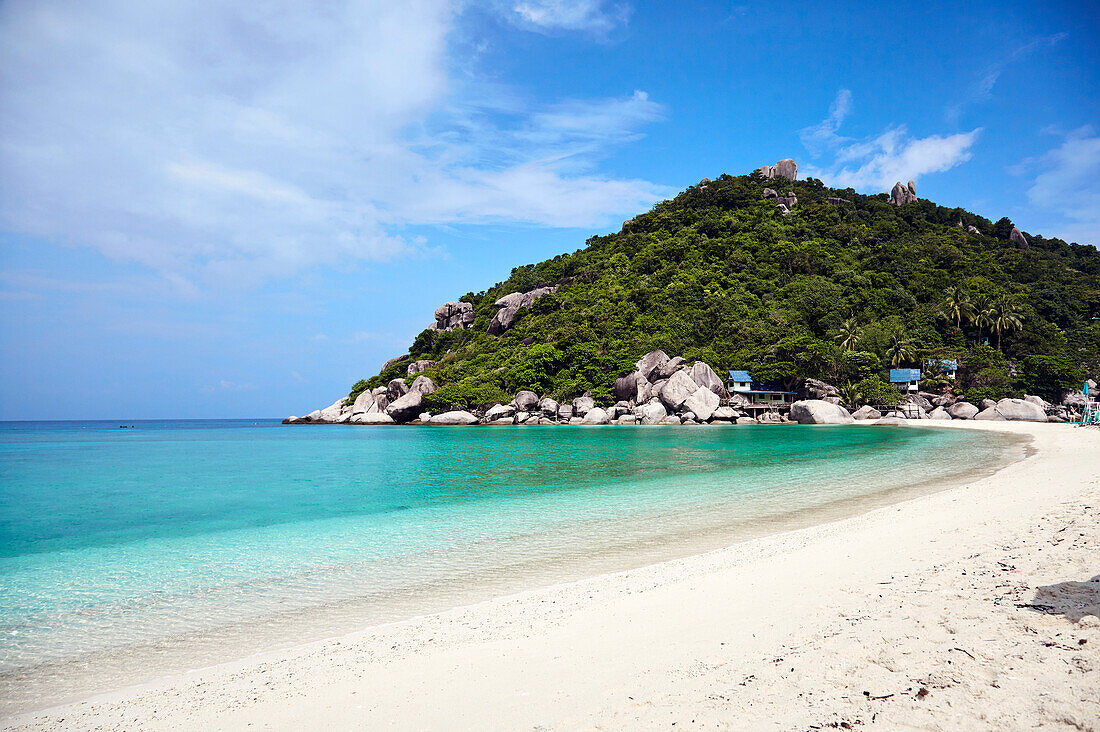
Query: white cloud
column 822, row 137
column 586, row 15
column 1069, row 186
column 229, row 139
column 879, row 161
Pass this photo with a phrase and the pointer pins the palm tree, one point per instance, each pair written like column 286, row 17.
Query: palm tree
column 957, row 305
column 983, row 314
column 850, row 394
column 1006, row 316
column 901, row 350
column 849, row 335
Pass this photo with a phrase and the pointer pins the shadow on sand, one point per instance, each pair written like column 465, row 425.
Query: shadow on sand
column 1073, row 600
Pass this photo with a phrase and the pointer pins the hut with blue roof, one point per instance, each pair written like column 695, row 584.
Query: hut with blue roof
column 906, row 379
column 759, row 397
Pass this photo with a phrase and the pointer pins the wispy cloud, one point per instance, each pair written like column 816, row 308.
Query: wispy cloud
column 881, row 160
column 1068, row 185
column 222, row 141
column 982, row 89
column 224, row 385
column 822, row 137
column 571, row 15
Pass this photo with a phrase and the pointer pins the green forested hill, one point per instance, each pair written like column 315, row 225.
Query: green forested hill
column 838, row 292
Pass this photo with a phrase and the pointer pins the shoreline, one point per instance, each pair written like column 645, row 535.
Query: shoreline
column 463, row 631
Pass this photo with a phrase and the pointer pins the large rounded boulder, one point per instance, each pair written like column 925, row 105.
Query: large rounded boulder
column 396, row 388
column 407, row 407
column 648, row 363
column 817, row 411
column 676, row 390
column 668, row 368
column 650, row 412
column 362, row 403
column 704, row 375
column 455, row 418
column 582, row 405
column 423, row 384
column 702, row 403
column 372, row 418
column 526, row 401
column 866, row 412
column 626, row 387
column 962, row 410
column 1019, row 410
column 596, row 415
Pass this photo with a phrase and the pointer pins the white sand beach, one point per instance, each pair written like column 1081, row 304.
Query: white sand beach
column 972, row 608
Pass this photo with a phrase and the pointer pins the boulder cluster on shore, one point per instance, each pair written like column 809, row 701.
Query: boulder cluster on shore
column 663, row 390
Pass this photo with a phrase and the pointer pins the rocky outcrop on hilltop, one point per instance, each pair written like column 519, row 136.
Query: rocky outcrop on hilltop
column 902, row 195
column 510, row 304
column 1017, row 237
column 785, row 168
column 453, row 315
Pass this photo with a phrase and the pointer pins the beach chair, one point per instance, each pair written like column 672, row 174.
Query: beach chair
column 1091, row 415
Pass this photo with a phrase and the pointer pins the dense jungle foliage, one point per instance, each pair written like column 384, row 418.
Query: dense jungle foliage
column 837, row 292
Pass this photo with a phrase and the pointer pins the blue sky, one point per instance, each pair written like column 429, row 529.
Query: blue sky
column 220, row 209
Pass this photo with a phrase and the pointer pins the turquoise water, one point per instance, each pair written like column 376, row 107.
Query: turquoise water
column 126, row 553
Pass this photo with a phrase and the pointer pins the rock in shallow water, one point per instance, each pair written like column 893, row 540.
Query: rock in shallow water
column 702, row 403
column 454, row 418
column 727, row 413
column 816, row 411
column 372, row 418
column 596, row 416
column 500, row 411
column 650, row 412
column 406, row 407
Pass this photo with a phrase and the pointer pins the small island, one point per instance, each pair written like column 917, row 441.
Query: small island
column 819, row 305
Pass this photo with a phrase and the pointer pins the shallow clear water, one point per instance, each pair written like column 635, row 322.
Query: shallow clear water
column 128, row 553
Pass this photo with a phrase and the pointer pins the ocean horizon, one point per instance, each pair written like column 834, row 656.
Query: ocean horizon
column 129, row 553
